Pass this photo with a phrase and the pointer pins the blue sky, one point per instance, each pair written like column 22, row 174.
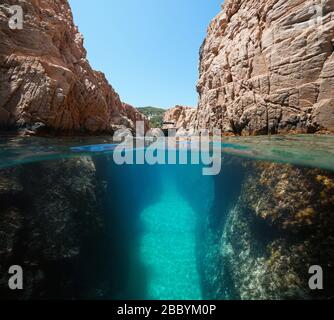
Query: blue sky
column 148, row 49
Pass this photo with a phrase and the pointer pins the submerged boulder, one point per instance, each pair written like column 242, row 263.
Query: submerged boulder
column 52, row 224
column 269, row 235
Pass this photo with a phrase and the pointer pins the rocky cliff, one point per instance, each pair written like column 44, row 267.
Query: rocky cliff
column 181, row 118
column 267, row 66
column 134, row 115
column 45, row 77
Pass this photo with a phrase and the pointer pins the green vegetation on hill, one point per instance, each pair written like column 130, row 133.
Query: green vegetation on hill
column 155, row 115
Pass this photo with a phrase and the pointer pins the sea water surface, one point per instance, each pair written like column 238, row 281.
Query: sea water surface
column 156, row 211
column 307, row 150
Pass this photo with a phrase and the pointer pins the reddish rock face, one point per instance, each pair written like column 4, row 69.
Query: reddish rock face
column 135, row 116
column 45, row 76
column 267, row 66
column 180, row 118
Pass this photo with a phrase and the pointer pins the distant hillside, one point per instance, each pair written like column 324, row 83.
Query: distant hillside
column 155, row 115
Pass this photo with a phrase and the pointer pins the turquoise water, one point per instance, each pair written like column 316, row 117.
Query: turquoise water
column 155, row 215
column 307, row 150
column 168, row 247
column 160, row 222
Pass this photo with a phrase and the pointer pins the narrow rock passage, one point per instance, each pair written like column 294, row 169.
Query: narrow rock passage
column 168, row 247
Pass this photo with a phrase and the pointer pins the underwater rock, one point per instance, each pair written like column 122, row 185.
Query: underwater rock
column 266, row 67
column 53, row 235
column 45, row 76
column 281, row 224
